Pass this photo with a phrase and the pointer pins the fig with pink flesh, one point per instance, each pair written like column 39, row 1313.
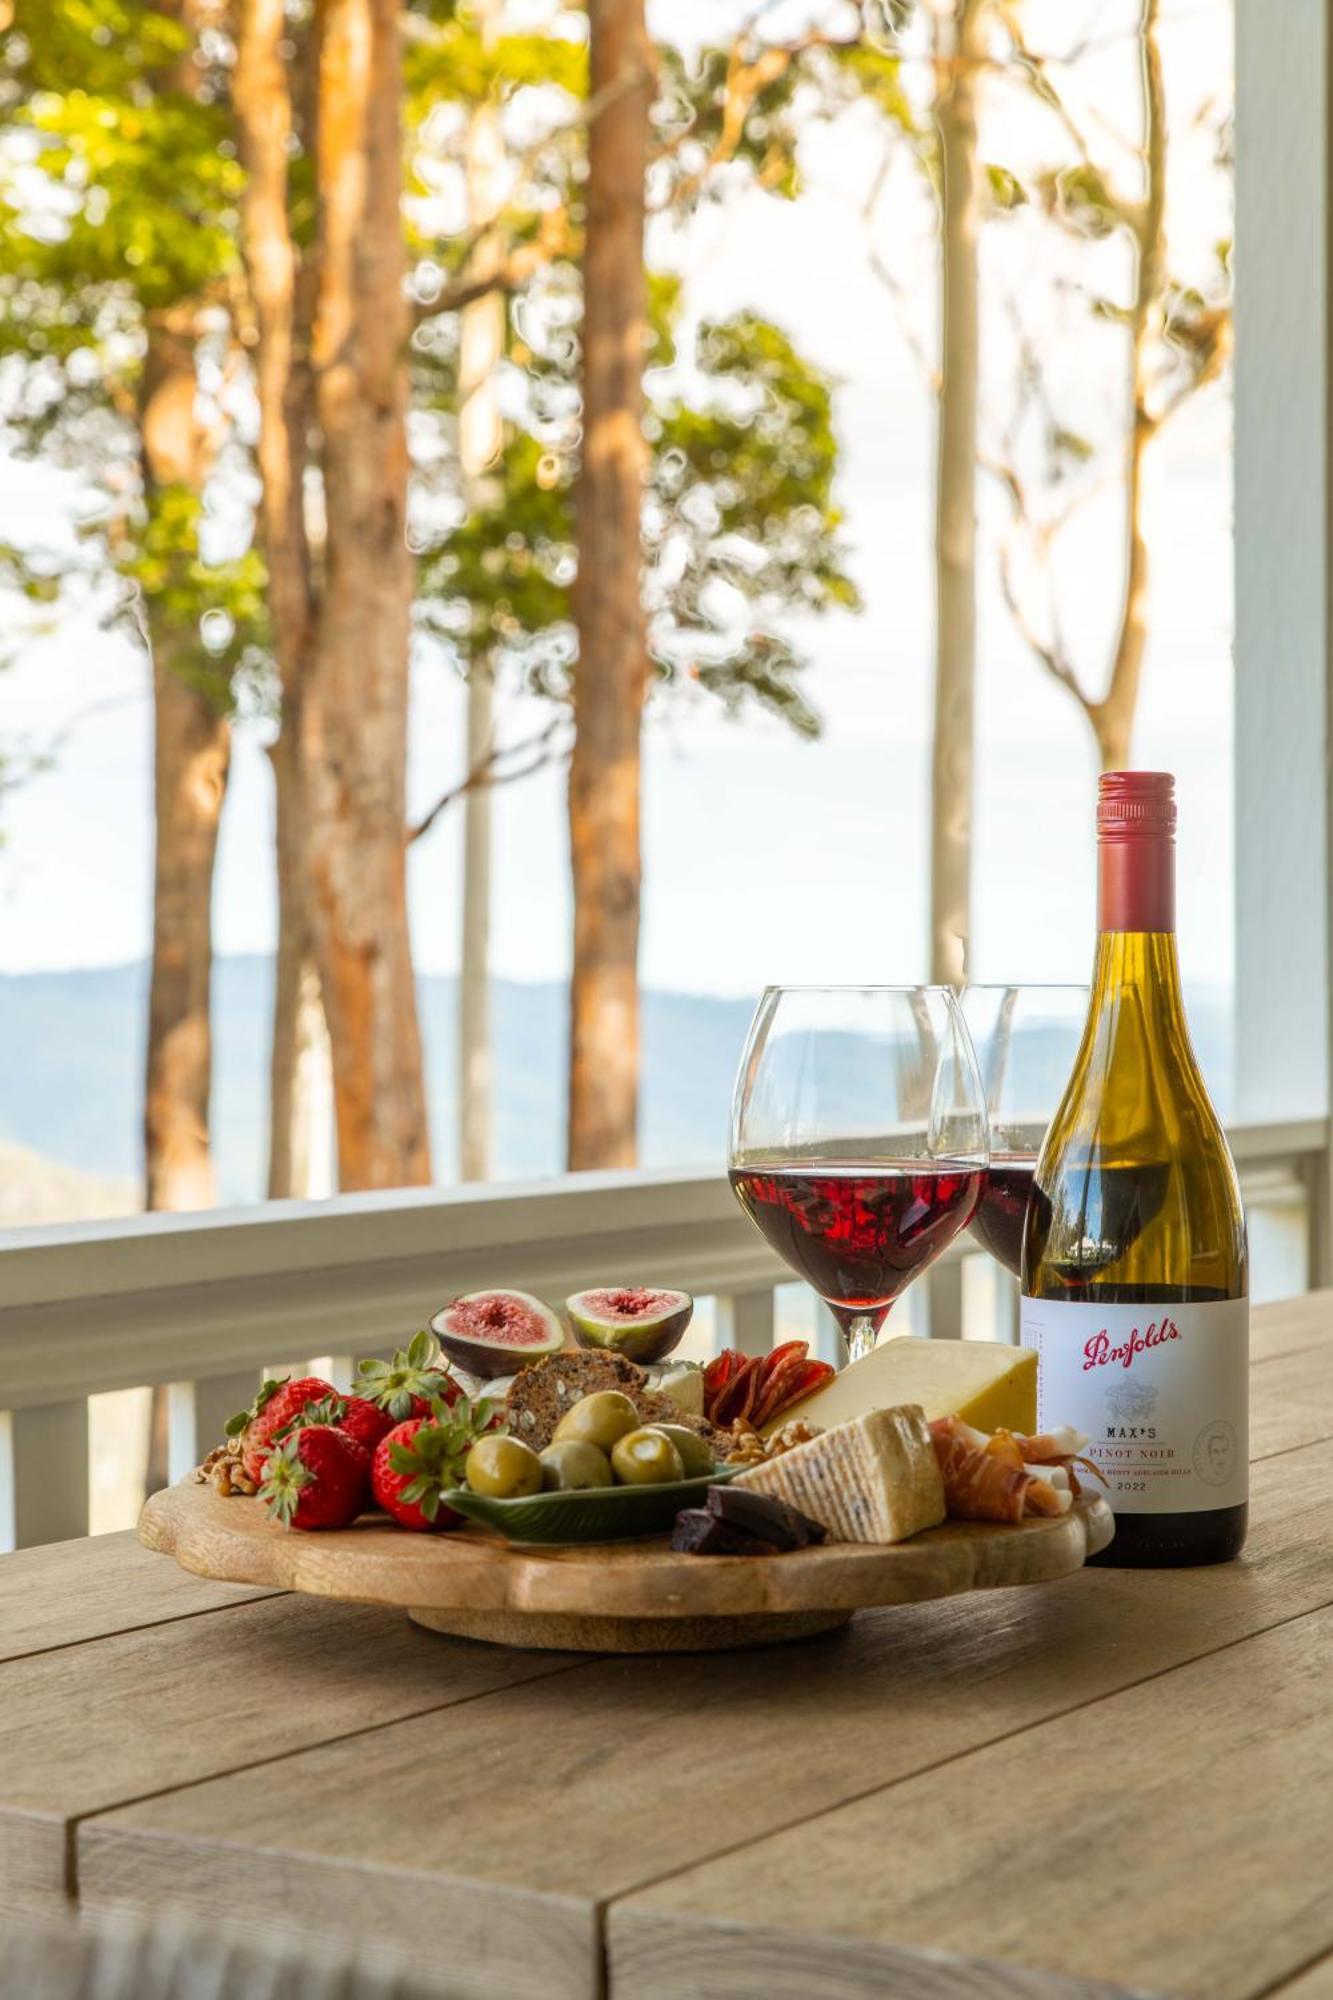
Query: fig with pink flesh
column 495, row 1333
column 644, row 1323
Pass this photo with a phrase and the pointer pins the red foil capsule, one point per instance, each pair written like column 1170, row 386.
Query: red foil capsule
column 1136, row 851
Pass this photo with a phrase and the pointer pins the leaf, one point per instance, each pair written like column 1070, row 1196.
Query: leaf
column 1005, row 189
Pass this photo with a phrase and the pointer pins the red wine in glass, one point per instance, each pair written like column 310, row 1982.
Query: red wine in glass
column 1002, row 1207
column 858, row 1234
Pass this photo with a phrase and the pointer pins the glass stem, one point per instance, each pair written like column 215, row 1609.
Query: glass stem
column 861, row 1334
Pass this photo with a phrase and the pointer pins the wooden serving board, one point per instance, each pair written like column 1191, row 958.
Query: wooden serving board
column 616, row 1597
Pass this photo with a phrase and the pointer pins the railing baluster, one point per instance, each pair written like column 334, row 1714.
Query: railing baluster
column 828, row 1343
column 335, row 1368
column 745, row 1320
column 944, row 1299
column 1006, row 1307
column 43, row 1474
column 197, row 1414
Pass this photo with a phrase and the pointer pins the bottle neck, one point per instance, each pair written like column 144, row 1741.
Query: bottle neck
column 1141, row 968
column 1136, row 884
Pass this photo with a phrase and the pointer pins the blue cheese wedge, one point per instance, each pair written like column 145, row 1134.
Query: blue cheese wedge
column 875, row 1479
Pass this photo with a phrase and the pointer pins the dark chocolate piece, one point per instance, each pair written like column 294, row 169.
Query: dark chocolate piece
column 761, row 1514
column 699, row 1533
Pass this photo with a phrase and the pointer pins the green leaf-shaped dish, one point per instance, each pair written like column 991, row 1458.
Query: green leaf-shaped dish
column 600, row 1514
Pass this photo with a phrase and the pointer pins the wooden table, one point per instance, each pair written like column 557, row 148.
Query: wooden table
column 1122, row 1783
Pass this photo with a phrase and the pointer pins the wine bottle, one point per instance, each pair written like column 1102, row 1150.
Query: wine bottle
column 1135, row 1271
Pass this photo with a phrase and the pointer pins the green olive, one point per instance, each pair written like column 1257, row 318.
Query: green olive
column 503, row 1467
column 695, row 1454
column 599, row 1419
column 646, row 1458
column 572, row 1465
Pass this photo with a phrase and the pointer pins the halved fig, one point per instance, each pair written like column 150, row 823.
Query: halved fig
column 494, row 1333
column 640, row 1322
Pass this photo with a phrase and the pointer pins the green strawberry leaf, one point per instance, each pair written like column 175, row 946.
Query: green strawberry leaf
column 329, row 1410
column 268, row 1390
column 284, row 1479
column 415, row 1371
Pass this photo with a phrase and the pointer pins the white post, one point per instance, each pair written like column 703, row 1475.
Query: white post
column 746, row 1321
column 944, row 1299
column 43, row 1474
column 1282, row 555
column 197, row 1414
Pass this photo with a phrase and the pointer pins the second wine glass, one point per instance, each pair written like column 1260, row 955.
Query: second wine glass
column 858, row 1139
column 1025, row 1038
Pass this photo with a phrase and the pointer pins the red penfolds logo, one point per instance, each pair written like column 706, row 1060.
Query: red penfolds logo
column 1102, row 1352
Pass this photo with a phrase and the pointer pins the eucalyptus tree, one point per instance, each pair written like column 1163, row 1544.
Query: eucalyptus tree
column 118, row 180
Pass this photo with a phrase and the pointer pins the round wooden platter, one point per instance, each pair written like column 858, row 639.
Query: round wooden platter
column 613, row 1597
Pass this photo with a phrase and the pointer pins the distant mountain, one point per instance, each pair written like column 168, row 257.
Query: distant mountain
column 70, row 1086
column 35, row 1189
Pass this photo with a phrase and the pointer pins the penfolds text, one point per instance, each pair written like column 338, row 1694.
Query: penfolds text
column 1102, row 1352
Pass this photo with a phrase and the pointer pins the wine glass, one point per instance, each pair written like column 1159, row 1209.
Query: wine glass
column 858, row 1139
column 1026, row 1038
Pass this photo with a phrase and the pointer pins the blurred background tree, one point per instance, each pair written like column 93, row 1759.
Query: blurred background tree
column 339, row 311
column 117, row 276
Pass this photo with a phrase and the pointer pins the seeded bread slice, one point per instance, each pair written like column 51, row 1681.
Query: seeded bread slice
column 540, row 1395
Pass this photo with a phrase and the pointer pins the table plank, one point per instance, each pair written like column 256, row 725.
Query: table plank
column 1292, row 1326
column 1315, row 1983
column 91, row 1726
column 656, row 1764
column 69, row 1592
column 1291, row 1402
column 1178, row 1843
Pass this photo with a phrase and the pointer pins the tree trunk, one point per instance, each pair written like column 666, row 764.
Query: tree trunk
column 281, row 293
column 191, row 750
column 354, row 713
column 959, row 50
column 474, row 986
column 611, row 676
column 481, row 349
column 1112, row 717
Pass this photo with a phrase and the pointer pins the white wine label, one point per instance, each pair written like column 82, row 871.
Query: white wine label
column 1161, row 1390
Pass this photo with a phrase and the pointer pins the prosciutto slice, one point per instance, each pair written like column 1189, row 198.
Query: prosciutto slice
column 988, row 1479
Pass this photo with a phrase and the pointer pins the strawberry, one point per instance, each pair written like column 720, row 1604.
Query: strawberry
column 366, row 1422
column 272, row 1411
column 421, row 1459
column 316, row 1478
column 410, row 1384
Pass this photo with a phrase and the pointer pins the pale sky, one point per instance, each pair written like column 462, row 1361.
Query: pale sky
column 767, row 858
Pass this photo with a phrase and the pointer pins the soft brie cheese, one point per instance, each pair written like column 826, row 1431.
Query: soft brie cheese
column 987, row 1384
column 683, row 1381
column 875, row 1479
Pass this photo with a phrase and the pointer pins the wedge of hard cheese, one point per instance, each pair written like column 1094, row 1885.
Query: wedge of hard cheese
column 990, row 1386
column 876, row 1479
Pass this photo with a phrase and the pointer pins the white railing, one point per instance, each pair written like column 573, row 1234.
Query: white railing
column 203, row 1303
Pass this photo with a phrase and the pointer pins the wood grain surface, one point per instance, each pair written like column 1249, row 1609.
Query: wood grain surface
column 623, row 1772
column 87, row 1726
column 1315, row 1983
column 1183, row 1840
column 69, row 1592
column 948, row 1799
column 472, row 1571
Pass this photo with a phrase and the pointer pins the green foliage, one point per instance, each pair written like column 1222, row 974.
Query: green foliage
column 119, row 215
column 1006, row 192
column 874, row 68
column 1081, row 197
column 740, row 530
column 118, row 193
